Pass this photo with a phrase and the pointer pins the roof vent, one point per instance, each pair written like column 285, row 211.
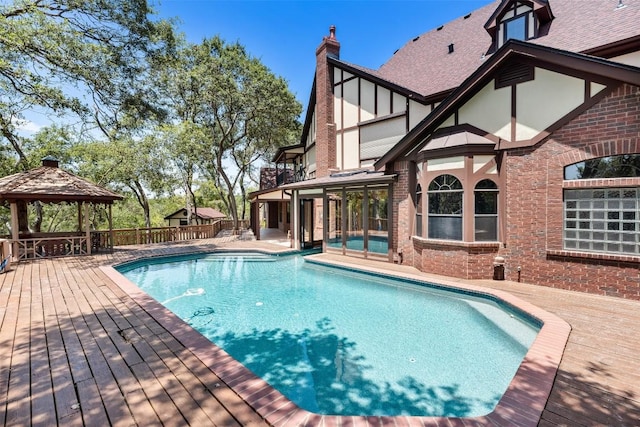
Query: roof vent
column 451, row 48
column 620, row 5
column 50, row 161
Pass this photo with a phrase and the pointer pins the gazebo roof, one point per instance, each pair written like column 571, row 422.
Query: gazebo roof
column 48, row 183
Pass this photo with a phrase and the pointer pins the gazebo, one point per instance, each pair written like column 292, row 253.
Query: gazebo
column 50, row 184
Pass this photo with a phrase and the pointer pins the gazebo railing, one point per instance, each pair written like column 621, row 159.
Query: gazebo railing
column 49, row 247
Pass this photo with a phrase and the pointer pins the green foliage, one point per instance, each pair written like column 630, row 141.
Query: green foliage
column 232, row 112
column 87, row 57
column 155, row 116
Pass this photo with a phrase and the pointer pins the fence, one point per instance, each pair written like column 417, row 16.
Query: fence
column 67, row 244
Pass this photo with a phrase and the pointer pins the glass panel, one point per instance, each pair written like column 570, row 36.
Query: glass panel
column 334, row 234
column 445, row 227
column 355, row 216
column 486, row 228
column 378, row 232
column 486, row 202
column 516, row 28
column 445, row 203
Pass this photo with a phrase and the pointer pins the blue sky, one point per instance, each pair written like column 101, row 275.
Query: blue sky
column 285, row 34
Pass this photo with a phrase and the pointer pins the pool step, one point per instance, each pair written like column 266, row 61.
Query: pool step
column 509, row 323
column 239, row 256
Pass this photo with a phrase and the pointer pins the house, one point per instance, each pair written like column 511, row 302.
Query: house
column 508, row 139
column 199, row 216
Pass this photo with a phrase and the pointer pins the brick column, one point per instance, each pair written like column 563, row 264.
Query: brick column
column 325, row 123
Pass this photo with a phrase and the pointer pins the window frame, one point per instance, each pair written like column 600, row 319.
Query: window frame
column 419, row 211
column 495, row 215
column 460, row 214
column 525, row 17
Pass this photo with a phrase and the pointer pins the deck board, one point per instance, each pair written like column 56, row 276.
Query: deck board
column 76, row 349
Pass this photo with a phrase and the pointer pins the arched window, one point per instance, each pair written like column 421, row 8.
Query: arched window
column 419, row 210
column 445, row 208
column 622, row 166
column 486, row 211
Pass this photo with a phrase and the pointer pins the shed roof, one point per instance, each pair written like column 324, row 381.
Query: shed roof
column 49, row 183
column 203, row 213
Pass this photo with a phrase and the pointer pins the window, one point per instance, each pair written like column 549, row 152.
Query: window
column 445, row 208
column 516, row 28
column 419, row 210
column 486, row 211
column 602, row 220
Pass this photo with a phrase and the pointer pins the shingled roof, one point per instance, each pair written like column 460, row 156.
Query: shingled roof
column 424, row 65
column 203, row 213
column 48, row 183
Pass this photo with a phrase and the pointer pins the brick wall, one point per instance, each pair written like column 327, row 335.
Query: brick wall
column 534, row 211
column 535, row 205
column 402, row 214
column 467, row 261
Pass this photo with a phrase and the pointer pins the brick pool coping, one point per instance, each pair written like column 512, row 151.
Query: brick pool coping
column 521, row 404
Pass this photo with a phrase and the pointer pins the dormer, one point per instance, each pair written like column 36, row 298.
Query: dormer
column 519, row 20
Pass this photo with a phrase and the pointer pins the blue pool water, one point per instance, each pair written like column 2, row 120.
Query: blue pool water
column 341, row 342
column 377, row 244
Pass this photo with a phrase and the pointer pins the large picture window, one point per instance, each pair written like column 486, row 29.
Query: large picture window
column 486, row 211
column 445, row 208
column 602, row 220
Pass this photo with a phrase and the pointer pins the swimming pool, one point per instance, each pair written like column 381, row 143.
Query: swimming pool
column 348, row 352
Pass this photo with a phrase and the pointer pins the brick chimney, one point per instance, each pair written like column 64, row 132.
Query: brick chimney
column 325, row 123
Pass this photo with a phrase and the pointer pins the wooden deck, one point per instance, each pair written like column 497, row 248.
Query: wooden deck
column 75, row 349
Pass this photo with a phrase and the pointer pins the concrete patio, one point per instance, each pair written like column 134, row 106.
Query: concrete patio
column 76, row 349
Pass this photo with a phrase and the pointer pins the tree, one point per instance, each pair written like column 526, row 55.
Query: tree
column 240, row 109
column 138, row 167
column 84, row 57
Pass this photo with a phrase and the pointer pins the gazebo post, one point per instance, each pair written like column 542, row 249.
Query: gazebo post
column 110, row 229
column 15, row 232
column 80, row 227
column 86, row 227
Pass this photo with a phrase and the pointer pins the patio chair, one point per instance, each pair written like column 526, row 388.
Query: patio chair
column 4, row 264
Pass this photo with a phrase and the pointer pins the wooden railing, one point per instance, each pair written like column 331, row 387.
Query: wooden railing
column 67, row 244
column 48, row 247
column 141, row 236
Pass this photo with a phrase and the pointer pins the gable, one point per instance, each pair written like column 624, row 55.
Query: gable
column 525, row 112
